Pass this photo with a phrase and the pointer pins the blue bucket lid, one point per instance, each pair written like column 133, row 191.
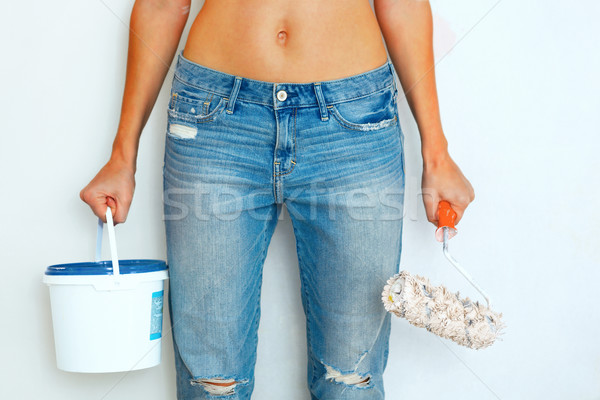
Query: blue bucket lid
column 105, row 267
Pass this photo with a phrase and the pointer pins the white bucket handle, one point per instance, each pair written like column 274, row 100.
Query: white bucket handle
column 111, row 240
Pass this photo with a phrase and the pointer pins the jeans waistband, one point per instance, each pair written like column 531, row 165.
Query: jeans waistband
column 296, row 94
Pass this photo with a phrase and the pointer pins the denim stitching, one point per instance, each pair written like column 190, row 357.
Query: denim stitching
column 275, row 163
column 270, row 104
column 295, row 144
column 306, row 299
column 188, row 100
column 389, row 87
column 198, row 87
column 358, row 76
column 199, row 118
column 207, row 103
column 363, row 96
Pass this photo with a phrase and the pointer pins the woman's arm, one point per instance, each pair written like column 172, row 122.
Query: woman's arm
column 407, row 28
column 155, row 31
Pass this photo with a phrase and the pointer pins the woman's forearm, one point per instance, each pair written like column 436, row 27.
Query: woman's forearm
column 155, row 31
column 407, row 28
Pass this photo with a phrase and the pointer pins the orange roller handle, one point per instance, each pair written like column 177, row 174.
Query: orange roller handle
column 447, row 216
column 446, row 219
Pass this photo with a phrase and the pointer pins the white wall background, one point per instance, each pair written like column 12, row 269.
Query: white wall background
column 518, row 85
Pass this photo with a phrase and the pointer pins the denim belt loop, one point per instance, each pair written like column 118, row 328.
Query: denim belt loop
column 321, row 101
column 234, row 93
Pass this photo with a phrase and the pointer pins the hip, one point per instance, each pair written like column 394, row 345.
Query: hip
column 274, row 138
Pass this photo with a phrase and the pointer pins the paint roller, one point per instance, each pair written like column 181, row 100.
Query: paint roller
column 443, row 313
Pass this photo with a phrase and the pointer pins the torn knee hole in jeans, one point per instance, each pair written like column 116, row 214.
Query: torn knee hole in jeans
column 353, row 379
column 216, row 386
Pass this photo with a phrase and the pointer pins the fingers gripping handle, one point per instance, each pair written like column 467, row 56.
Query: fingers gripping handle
column 446, row 219
column 111, row 240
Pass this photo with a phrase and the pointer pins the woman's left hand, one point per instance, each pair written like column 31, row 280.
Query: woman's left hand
column 443, row 180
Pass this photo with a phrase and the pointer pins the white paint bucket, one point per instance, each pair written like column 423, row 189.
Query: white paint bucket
column 107, row 315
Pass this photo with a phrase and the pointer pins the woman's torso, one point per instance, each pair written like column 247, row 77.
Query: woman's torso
column 287, row 40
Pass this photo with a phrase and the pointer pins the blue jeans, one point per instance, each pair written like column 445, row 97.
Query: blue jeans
column 236, row 150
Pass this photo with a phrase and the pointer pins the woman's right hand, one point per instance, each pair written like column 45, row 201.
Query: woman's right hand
column 113, row 187
column 148, row 59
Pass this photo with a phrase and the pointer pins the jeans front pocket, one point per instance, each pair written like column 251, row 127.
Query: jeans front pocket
column 374, row 111
column 190, row 106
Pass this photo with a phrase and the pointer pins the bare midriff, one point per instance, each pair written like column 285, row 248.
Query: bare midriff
column 287, row 40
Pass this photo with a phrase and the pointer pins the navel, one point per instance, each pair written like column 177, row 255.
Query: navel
column 282, row 37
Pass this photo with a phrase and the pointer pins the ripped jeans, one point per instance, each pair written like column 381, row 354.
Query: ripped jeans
column 236, row 150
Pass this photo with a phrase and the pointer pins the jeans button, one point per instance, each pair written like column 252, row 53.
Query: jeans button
column 281, row 95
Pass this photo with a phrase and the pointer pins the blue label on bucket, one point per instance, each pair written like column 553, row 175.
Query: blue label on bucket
column 156, row 317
